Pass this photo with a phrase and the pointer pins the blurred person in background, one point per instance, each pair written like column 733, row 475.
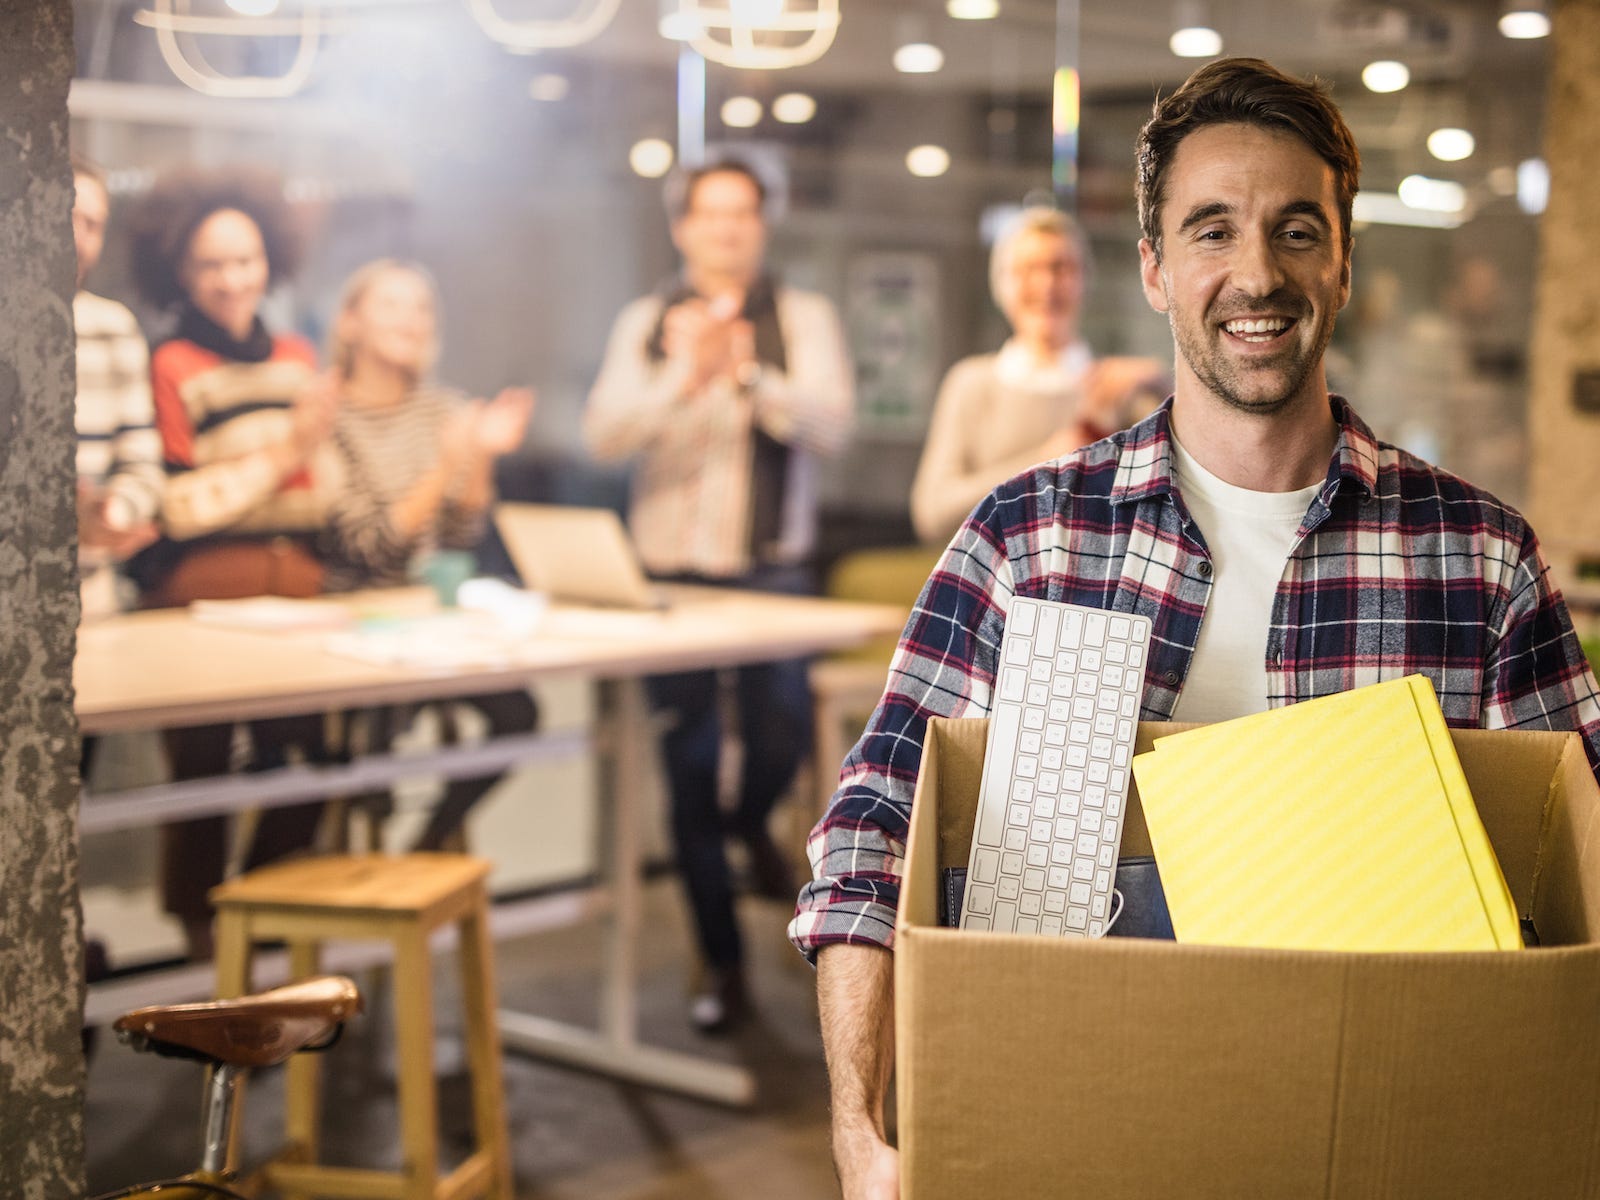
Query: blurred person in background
column 1042, row 396
column 414, row 476
column 725, row 387
column 120, row 477
column 244, row 421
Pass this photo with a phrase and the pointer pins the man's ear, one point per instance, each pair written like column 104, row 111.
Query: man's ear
column 1155, row 288
column 1344, row 275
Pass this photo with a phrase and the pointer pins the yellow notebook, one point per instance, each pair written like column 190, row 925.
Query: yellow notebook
column 1342, row 823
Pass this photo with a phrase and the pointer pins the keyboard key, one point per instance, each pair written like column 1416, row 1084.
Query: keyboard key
column 1118, row 782
column 1116, row 652
column 1061, row 852
column 1083, row 708
column 1082, row 868
column 1019, row 815
column 985, row 864
column 980, row 899
column 1054, row 902
column 1094, row 797
column 1011, row 864
column 1120, row 756
column 1038, row 694
column 1028, row 905
column 1033, row 718
column 1050, row 781
column 1005, row 917
column 1107, row 853
column 1060, row 710
column 1077, row 756
column 1058, row 878
column 1027, row 925
column 1094, row 629
column 1072, row 630
column 1097, row 928
column 1089, row 822
column 1009, row 890
column 1109, row 832
column 1107, row 701
column 1022, row 616
column 1051, row 759
column 1050, row 926
column 1100, row 747
column 1044, row 806
column 1099, row 772
column 1016, row 839
column 1022, row 791
column 1135, row 656
column 1049, row 621
column 1033, row 880
column 1113, row 804
column 1040, row 831
column 1111, row 677
column 1061, row 687
column 1120, row 628
column 1077, row 918
column 1027, row 766
column 1018, row 653
column 1097, row 906
column 1087, row 686
column 1038, row 855
column 1066, row 829
column 1030, row 742
column 1125, row 730
column 1104, row 724
column 1072, row 782
column 976, row 924
column 1078, row 893
column 1002, row 747
column 1088, row 843
column 1039, row 671
column 1090, row 661
column 1129, row 707
column 1102, row 881
column 1078, row 732
column 1067, row 662
column 1013, row 684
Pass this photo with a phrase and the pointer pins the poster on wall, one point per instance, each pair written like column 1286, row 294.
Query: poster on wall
column 892, row 313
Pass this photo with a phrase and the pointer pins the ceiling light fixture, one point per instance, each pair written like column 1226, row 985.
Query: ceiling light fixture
column 973, row 10
column 1432, row 195
column 918, row 58
column 172, row 18
column 1525, row 19
column 741, row 112
column 585, row 22
column 1193, row 35
column 254, row 8
column 794, row 108
column 757, row 35
column 1451, row 145
column 650, row 158
column 928, row 162
column 1385, row 76
column 1533, row 186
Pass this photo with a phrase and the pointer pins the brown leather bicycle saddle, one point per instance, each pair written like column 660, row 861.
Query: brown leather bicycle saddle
column 251, row 1031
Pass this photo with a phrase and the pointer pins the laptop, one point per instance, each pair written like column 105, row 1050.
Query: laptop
column 580, row 555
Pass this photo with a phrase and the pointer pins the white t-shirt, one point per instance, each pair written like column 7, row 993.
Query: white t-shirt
column 1249, row 535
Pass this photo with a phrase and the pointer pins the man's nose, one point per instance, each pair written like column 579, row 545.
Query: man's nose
column 1256, row 269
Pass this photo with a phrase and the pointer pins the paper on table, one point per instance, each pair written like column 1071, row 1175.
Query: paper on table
column 1339, row 823
column 271, row 614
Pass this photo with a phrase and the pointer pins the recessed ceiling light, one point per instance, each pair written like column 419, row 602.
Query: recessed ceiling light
column 1533, row 186
column 1432, row 195
column 741, row 112
column 1451, row 145
column 1524, row 23
column 549, row 87
column 1385, row 75
column 1195, row 41
column 918, row 58
column 650, row 157
column 756, row 14
column 794, row 108
column 928, row 162
column 254, row 8
column 973, row 10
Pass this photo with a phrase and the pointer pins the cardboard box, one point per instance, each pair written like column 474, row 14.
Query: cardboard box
column 1035, row 1067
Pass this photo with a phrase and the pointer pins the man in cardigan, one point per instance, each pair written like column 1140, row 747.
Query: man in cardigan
column 725, row 388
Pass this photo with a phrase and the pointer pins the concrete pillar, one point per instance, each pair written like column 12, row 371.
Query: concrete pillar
column 1564, row 375
column 41, row 990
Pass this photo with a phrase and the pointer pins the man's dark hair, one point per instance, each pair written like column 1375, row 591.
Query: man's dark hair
column 178, row 204
column 1244, row 91
column 679, row 192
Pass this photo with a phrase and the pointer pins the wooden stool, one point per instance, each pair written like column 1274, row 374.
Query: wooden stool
column 400, row 899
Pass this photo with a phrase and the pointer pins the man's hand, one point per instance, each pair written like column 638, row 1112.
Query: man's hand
column 869, row 1169
column 104, row 524
column 710, row 336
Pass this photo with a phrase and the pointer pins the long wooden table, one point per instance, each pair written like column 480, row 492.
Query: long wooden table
column 160, row 670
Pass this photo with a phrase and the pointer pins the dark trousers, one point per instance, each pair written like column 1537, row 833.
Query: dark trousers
column 774, row 713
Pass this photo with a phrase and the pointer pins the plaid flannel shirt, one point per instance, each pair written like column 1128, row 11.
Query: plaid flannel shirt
column 1398, row 568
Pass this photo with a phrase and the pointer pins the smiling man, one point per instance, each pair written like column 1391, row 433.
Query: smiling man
column 1280, row 551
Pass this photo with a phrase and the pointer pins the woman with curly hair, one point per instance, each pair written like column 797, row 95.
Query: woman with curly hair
column 244, row 421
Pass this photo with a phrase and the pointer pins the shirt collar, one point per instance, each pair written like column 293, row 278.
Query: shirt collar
column 1144, row 462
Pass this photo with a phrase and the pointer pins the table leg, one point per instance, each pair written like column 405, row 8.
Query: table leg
column 615, row 1050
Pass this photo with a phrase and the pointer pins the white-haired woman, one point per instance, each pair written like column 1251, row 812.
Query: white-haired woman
column 416, row 470
column 1042, row 396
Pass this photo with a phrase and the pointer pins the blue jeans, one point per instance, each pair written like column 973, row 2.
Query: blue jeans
column 774, row 706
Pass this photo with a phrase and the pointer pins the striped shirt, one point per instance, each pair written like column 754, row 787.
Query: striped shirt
column 217, row 416
column 382, row 454
column 119, row 450
column 1397, row 568
column 691, row 505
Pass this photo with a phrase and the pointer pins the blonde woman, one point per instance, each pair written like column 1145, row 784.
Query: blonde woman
column 415, row 468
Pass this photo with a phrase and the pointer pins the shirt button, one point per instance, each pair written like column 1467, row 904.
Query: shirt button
column 1171, row 678
column 1205, row 569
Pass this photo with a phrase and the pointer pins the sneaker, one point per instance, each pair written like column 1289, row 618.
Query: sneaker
column 721, row 1003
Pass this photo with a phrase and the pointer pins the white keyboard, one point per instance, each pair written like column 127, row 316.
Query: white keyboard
column 1055, row 775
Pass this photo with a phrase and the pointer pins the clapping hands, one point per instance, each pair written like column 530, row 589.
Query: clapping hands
column 487, row 429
